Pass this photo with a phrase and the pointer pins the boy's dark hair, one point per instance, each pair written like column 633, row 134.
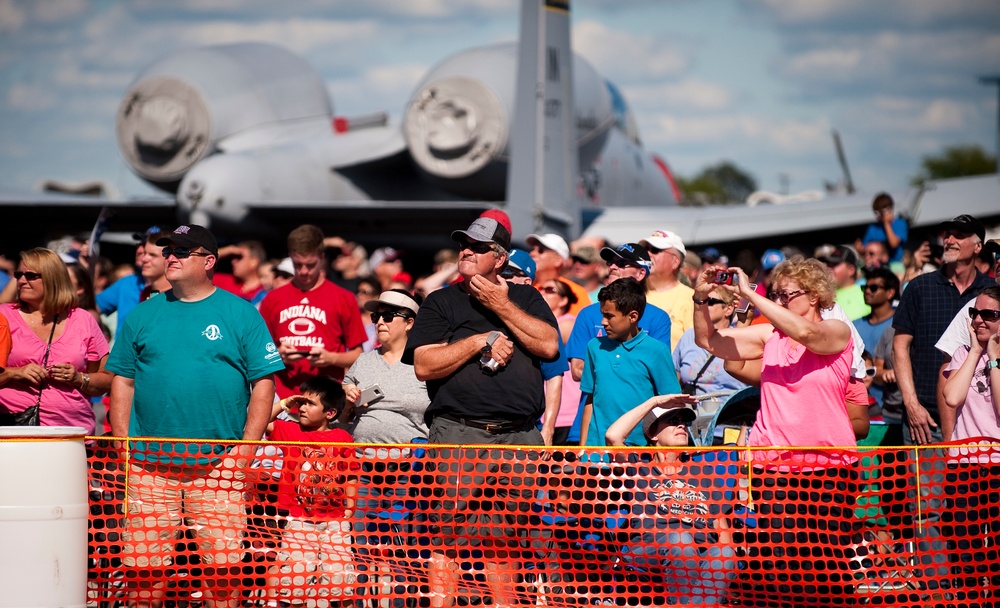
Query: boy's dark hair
column 626, row 293
column 888, row 277
column 331, row 393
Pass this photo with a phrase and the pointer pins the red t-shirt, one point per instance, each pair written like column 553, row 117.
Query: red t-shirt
column 327, row 316
column 313, row 478
column 228, row 282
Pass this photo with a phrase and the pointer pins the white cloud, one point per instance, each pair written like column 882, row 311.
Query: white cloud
column 12, row 16
column 30, row 97
column 691, row 94
column 58, row 12
column 724, row 132
column 300, row 35
column 626, row 55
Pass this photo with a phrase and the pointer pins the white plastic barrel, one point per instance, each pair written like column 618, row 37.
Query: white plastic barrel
column 43, row 517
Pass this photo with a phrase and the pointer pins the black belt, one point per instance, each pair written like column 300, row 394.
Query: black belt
column 492, row 426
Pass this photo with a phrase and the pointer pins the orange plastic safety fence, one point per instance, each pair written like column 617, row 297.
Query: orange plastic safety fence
column 334, row 525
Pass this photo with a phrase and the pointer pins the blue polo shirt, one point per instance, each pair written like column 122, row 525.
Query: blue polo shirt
column 620, row 376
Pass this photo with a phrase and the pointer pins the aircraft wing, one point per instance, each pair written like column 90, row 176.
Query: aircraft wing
column 728, row 223
column 58, row 199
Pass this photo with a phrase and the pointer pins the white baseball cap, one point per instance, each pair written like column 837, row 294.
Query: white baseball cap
column 550, row 241
column 664, row 239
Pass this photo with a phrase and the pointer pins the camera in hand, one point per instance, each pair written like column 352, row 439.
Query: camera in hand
column 937, row 252
column 724, row 278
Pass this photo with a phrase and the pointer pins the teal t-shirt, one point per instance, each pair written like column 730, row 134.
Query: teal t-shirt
column 192, row 363
column 620, row 376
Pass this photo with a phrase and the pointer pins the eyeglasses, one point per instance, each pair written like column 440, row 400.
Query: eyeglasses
column 387, row 316
column 870, row 372
column 715, row 302
column 784, row 297
column 477, row 247
column 367, row 292
column 872, row 287
column 510, row 273
column 27, row 274
column 182, row 253
column 985, row 314
column 672, row 420
column 550, row 290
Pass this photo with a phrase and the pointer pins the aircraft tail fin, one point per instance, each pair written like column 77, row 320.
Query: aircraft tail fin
column 540, row 192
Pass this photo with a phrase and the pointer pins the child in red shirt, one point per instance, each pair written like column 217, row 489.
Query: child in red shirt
column 315, row 487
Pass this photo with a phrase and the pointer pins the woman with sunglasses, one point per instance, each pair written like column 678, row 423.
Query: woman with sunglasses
column 973, row 374
column 398, row 415
column 58, row 353
column 688, row 546
column 805, row 369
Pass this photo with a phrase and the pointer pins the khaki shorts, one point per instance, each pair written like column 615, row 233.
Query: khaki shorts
column 315, row 560
column 163, row 504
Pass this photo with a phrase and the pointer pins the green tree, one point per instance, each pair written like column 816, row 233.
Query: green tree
column 718, row 184
column 955, row 161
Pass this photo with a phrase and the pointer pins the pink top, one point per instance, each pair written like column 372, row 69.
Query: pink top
column 803, row 397
column 570, row 395
column 80, row 342
column 976, row 417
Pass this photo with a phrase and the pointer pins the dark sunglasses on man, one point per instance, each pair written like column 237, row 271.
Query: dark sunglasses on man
column 182, row 252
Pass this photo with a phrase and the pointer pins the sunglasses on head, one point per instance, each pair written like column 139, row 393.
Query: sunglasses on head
column 387, row 316
column 510, row 273
column 985, row 314
column 27, row 274
column 477, row 247
column 182, row 252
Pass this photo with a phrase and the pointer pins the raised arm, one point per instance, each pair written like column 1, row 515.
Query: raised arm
column 619, row 430
column 535, row 335
column 738, row 343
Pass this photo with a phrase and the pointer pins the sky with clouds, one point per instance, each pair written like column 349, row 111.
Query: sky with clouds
column 759, row 83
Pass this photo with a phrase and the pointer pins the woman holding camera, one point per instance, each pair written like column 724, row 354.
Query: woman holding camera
column 394, row 413
column 698, row 370
column 806, row 365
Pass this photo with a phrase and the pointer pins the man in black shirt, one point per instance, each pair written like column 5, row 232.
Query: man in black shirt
column 478, row 345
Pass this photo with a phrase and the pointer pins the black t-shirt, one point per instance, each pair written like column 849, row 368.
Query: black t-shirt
column 515, row 391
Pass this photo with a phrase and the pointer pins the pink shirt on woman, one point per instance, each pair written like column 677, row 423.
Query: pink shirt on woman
column 802, row 396
column 80, row 342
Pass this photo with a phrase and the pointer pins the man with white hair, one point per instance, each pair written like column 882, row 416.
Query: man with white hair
column 551, row 255
column 664, row 288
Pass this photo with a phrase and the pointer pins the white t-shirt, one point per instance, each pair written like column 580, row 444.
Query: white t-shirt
column 858, row 367
column 957, row 334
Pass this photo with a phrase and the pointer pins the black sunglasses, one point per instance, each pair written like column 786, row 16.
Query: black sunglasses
column 870, row 287
column 985, row 314
column 182, row 252
column 510, row 273
column 27, row 274
column 715, row 301
column 387, row 316
column 476, row 247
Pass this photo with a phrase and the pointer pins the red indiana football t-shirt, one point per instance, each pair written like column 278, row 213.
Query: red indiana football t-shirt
column 326, row 316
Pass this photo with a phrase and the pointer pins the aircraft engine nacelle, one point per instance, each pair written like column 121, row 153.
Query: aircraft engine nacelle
column 179, row 109
column 457, row 122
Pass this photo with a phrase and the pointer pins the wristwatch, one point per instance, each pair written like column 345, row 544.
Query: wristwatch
column 698, row 302
column 991, row 364
column 490, row 340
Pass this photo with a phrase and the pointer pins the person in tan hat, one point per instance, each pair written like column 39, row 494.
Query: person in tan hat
column 664, row 287
column 552, row 259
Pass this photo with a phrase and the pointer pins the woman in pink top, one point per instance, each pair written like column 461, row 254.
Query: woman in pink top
column 973, row 375
column 58, row 350
column 806, row 366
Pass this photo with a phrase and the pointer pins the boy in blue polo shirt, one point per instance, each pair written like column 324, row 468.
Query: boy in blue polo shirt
column 624, row 367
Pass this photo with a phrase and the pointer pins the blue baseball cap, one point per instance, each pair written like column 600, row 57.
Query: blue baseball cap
column 520, row 260
column 771, row 258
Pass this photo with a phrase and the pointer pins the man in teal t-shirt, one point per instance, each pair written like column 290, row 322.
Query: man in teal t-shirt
column 196, row 362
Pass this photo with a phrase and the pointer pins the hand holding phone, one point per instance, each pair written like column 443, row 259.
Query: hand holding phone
column 370, row 395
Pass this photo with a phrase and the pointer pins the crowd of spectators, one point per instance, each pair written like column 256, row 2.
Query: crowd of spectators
column 555, row 344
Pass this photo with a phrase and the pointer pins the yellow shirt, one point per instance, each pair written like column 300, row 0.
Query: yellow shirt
column 677, row 303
